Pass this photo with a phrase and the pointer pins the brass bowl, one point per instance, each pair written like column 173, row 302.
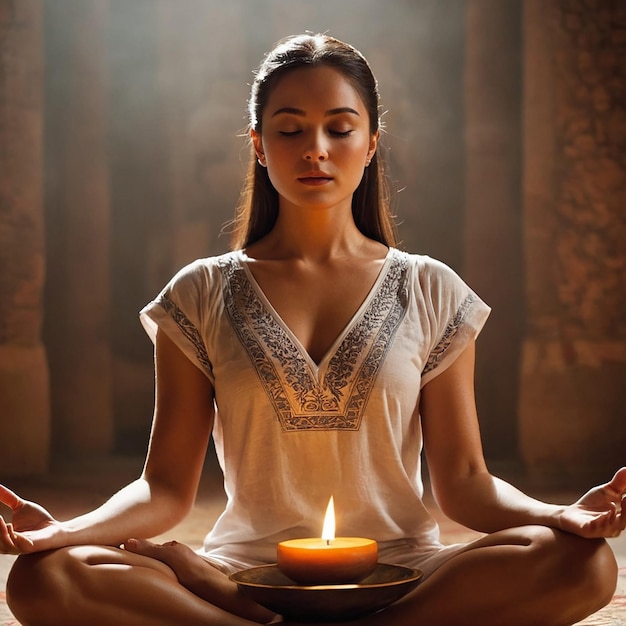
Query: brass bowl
column 268, row 586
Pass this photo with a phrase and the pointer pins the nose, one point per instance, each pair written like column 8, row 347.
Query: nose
column 316, row 150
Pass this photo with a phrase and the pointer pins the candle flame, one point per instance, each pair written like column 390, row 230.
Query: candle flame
column 328, row 531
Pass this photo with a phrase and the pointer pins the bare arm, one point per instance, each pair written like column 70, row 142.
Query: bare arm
column 469, row 494
column 165, row 492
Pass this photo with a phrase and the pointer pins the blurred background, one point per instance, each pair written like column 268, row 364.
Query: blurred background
column 121, row 159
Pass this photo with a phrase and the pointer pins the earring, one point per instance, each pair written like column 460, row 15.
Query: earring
column 261, row 162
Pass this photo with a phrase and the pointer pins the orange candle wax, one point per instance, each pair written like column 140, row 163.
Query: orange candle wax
column 318, row 561
column 327, row 560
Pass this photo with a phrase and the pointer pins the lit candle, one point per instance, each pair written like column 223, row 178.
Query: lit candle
column 328, row 559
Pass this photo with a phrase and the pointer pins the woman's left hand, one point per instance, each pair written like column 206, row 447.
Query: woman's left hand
column 179, row 557
column 601, row 512
column 200, row 577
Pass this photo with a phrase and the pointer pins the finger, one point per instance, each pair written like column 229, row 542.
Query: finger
column 622, row 514
column 611, row 524
column 6, row 542
column 140, row 546
column 21, row 543
column 10, row 498
column 618, row 483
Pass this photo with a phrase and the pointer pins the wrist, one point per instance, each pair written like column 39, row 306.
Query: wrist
column 555, row 517
column 68, row 534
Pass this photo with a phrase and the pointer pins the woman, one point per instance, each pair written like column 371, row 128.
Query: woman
column 321, row 358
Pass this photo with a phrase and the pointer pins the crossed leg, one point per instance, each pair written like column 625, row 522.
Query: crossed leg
column 101, row 586
column 527, row 576
column 530, row 576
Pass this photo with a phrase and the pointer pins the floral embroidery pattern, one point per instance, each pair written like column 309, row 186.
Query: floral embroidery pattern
column 187, row 328
column 301, row 401
column 439, row 351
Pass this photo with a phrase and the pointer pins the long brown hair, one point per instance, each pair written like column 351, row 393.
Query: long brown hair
column 257, row 210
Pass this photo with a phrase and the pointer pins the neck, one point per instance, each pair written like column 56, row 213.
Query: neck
column 315, row 235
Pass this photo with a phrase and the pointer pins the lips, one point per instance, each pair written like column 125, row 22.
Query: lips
column 315, row 178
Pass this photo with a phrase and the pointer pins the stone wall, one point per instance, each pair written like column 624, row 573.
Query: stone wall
column 573, row 397
column 77, row 209
column 492, row 212
column 24, row 389
column 143, row 163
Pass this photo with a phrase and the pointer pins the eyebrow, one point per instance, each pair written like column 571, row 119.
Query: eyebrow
column 300, row 112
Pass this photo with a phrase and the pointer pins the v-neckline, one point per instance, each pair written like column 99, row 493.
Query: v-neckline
column 316, row 368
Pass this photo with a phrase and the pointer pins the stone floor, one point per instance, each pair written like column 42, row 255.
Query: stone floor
column 71, row 490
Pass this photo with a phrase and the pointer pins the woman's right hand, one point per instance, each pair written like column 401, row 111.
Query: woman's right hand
column 32, row 528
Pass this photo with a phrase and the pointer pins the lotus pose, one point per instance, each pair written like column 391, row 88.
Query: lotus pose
column 322, row 360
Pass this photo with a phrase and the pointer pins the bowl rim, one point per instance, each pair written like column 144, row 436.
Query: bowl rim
column 411, row 574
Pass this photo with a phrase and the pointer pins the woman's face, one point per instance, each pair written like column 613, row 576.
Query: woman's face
column 315, row 139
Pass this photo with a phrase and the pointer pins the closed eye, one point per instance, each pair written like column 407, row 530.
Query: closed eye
column 335, row 133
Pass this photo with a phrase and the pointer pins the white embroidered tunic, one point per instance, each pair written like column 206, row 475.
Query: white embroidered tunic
column 289, row 433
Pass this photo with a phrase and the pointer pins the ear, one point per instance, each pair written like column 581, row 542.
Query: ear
column 257, row 142
column 372, row 147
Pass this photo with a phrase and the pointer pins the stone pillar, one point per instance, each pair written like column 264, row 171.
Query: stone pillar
column 493, row 261
column 202, row 105
column 573, row 396
column 77, row 206
column 24, row 393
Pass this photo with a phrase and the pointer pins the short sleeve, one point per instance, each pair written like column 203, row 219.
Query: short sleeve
column 455, row 315
column 178, row 311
